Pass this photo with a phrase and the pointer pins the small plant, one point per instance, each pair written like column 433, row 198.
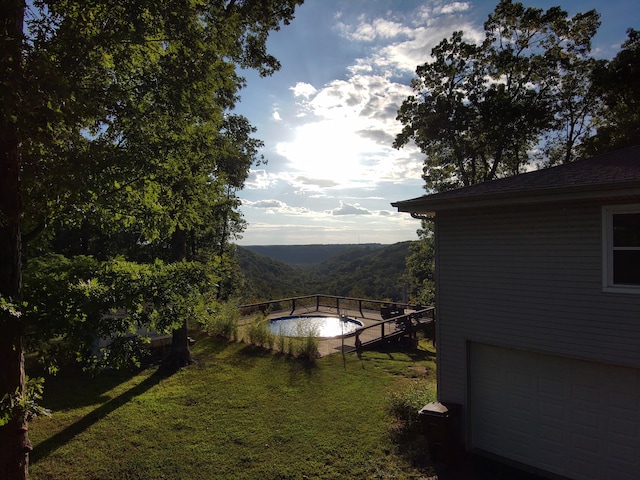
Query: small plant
column 306, row 343
column 281, row 339
column 405, row 403
column 259, row 333
column 23, row 406
column 224, row 321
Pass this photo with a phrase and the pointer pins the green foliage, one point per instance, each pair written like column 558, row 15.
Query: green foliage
column 268, row 279
column 373, row 272
column 116, row 123
column 369, row 272
column 309, row 255
column 72, row 302
column 306, row 346
column 24, row 405
column 405, row 403
column 617, row 84
column 479, row 110
column 258, row 333
column 222, row 320
column 124, row 352
column 421, row 267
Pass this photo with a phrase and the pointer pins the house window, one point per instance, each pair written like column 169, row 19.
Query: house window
column 622, row 248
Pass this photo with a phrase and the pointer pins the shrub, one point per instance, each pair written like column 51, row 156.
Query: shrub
column 223, row 322
column 309, row 347
column 259, row 334
column 281, row 343
column 306, row 344
column 405, row 403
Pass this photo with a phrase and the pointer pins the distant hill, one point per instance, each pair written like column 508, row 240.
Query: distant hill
column 366, row 271
column 305, row 254
column 268, row 279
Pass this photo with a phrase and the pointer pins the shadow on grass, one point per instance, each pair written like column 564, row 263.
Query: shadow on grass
column 44, row 448
column 297, row 366
column 68, row 388
column 415, row 354
column 210, row 345
column 412, row 445
column 395, row 352
column 418, row 355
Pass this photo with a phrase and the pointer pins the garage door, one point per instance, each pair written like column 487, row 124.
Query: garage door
column 570, row 417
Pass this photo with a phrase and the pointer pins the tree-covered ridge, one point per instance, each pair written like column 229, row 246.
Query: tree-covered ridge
column 377, row 272
column 305, row 254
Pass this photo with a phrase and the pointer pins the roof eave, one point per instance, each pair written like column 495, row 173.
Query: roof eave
column 428, row 205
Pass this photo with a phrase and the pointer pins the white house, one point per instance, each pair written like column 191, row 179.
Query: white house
column 538, row 315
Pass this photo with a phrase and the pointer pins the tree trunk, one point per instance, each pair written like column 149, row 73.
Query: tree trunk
column 14, row 438
column 180, row 354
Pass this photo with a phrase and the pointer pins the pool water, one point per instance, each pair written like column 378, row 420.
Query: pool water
column 316, row 325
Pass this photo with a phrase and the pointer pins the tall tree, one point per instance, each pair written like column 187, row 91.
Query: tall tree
column 72, row 79
column 617, row 84
column 478, row 110
column 14, row 440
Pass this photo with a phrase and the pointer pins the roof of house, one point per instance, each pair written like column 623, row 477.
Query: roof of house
column 610, row 175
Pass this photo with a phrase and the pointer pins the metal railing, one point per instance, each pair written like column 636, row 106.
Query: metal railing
column 400, row 324
column 405, row 324
column 333, row 301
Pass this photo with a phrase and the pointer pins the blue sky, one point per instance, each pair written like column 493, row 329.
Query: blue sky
column 327, row 118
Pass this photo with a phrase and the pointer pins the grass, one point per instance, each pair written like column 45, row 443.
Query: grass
column 240, row 412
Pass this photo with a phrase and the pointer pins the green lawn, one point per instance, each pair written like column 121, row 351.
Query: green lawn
column 238, row 413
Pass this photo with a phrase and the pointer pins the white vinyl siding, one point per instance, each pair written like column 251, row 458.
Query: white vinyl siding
column 569, row 417
column 531, row 279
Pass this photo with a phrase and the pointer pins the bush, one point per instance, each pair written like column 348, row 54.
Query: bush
column 404, row 404
column 305, row 345
column 281, row 343
column 309, row 347
column 259, row 334
column 224, row 321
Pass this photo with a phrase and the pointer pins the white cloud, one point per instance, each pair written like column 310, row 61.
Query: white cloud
column 454, row 7
column 348, row 209
column 260, row 179
column 302, row 89
column 377, row 29
column 273, row 206
column 317, row 182
column 338, row 137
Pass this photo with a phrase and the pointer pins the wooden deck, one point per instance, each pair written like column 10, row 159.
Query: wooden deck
column 375, row 332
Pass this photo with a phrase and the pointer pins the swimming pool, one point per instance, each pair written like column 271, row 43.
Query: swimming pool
column 325, row 326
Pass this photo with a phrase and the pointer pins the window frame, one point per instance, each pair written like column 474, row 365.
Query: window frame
column 608, row 213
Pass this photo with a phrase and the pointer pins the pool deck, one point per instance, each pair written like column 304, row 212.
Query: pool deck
column 328, row 346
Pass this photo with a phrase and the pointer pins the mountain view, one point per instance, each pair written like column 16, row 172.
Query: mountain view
column 364, row 271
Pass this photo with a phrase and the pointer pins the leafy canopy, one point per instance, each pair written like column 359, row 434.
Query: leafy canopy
column 479, row 110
